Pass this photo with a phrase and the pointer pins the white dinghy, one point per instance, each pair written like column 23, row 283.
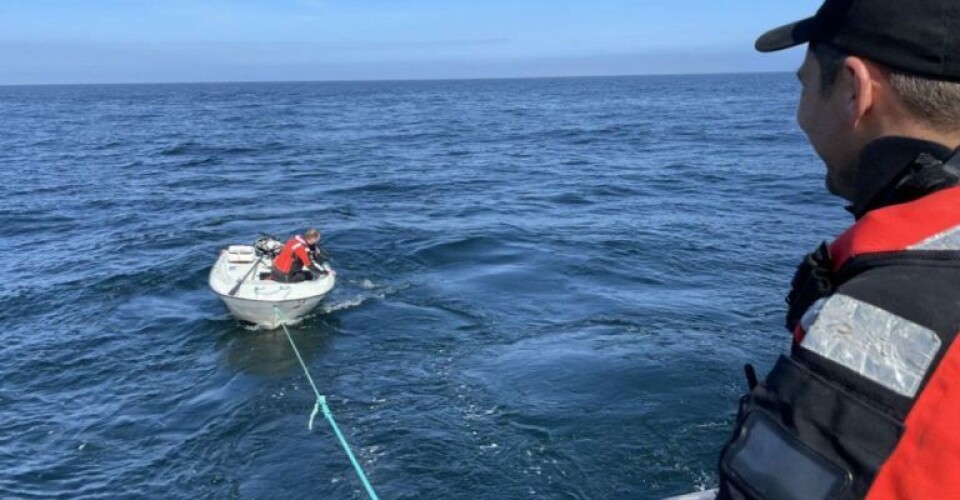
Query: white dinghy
column 241, row 278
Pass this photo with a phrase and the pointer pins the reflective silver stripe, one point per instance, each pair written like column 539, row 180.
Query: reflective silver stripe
column 300, row 243
column 946, row 240
column 879, row 345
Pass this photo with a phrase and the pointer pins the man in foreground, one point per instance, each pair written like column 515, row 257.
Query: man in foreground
column 299, row 255
column 867, row 402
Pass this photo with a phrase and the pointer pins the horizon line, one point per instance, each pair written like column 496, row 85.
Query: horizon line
column 388, row 80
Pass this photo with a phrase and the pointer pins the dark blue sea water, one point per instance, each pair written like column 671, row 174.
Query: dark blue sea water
column 547, row 287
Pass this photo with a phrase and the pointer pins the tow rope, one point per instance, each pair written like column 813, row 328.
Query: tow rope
column 321, row 404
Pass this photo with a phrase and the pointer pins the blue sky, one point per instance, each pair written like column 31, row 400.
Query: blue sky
column 103, row 41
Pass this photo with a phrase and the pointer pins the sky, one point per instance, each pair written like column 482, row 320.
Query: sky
column 141, row 41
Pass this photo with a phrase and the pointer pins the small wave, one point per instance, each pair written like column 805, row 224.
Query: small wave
column 414, row 136
column 109, row 145
column 196, row 148
column 179, row 149
column 374, row 187
column 569, row 199
column 366, row 284
column 464, row 249
column 199, row 162
column 343, row 304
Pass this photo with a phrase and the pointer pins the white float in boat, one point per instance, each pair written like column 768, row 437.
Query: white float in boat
column 259, row 299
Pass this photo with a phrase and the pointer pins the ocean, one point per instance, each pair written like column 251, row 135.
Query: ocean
column 547, row 287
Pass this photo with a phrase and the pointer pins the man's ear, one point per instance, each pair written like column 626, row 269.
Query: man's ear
column 859, row 89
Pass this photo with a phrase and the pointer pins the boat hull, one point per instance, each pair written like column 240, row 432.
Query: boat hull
column 270, row 314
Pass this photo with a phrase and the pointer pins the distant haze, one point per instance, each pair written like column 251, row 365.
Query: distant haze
column 99, row 41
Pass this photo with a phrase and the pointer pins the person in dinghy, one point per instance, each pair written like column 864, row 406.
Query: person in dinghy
column 300, row 259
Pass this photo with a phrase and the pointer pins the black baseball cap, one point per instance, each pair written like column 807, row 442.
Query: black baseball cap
column 916, row 36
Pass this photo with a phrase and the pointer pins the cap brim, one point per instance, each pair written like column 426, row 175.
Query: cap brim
column 787, row 36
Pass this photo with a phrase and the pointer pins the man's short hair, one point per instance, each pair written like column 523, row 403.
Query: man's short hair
column 830, row 60
column 934, row 102
column 312, row 234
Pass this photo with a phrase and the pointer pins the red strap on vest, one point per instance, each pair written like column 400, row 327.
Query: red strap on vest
column 898, row 227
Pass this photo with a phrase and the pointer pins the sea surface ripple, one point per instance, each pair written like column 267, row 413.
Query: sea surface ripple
column 547, row 287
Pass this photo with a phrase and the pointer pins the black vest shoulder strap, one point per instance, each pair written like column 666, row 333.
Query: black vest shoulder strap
column 815, row 278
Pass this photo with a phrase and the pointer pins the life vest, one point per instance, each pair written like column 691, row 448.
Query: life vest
column 293, row 257
column 866, row 404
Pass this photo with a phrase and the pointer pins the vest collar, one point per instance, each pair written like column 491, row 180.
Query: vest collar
column 883, row 164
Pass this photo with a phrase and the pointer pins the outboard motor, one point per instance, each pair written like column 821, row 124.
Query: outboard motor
column 268, row 246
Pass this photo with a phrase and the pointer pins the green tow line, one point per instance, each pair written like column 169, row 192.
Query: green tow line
column 321, row 404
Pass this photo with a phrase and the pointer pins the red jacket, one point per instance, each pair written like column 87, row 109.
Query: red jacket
column 293, row 257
